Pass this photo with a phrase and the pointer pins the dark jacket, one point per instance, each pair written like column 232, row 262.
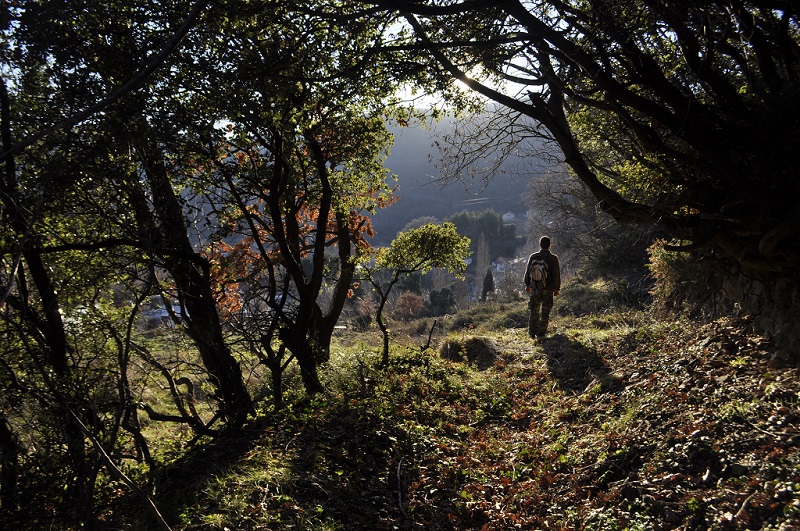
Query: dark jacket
column 554, row 273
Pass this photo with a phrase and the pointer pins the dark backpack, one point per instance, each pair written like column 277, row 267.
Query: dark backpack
column 538, row 273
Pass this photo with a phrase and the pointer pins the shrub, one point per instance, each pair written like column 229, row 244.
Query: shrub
column 407, row 306
column 463, row 321
column 442, row 302
column 580, row 296
column 363, row 313
column 516, row 317
column 479, row 351
column 683, row 281
column 492, row 316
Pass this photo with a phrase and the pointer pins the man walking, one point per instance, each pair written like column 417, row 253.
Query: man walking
column 542, row 282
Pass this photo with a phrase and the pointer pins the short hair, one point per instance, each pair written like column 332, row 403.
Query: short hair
column 544, row 242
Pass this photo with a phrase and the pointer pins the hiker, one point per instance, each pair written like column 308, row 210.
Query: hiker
column 543, row 282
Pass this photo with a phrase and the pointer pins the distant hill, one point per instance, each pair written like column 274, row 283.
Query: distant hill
column 412, row 159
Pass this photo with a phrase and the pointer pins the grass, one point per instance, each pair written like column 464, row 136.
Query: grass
column 618, row 421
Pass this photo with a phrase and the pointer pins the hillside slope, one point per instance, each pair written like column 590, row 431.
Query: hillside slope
column 413, row 159
column 618, row 421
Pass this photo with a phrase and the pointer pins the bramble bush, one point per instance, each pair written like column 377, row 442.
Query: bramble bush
column 683, row 282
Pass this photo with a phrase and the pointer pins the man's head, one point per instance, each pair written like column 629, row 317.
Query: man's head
column 544, row 242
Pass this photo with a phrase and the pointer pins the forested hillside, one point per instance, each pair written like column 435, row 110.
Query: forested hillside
column 423, row 190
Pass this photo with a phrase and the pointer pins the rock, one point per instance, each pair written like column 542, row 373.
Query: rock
column 736, row 470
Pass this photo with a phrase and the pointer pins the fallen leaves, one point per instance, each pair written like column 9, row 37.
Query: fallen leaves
column 651, row 425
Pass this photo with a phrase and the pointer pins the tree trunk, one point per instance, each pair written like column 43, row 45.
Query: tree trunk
column 384, row 330
column 384, row 296
column 204, row 327
column 307, row 361
column 16, row 214
column 9, row 452
column 191, row 275
column 326, row 323
column 54, row 339
column 277, row 385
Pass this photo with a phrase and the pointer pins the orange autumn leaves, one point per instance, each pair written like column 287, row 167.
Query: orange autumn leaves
column 244, row 255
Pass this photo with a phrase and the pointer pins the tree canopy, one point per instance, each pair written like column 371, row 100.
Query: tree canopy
column 677, row 114
column 225, row 157
column 672, row 113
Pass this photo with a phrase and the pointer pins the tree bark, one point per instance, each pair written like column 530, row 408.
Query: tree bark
column 190, row 273
column 9, row 450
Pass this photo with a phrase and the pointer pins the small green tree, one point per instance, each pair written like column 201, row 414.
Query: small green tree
column 415, row 250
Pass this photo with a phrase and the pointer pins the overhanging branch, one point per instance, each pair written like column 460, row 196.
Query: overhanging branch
column 136, row 81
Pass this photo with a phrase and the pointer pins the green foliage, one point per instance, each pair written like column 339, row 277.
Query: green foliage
column 515, row 317
column 508, row 429
column 488, row 284
column 423, row 248
column 157, row 166
column 442, row 302
column 581, row 297
column 618, row 252
column 155, row 153
column 478, row 351
column 411, row 283
column 675, row 115
column 670, row 271
column 417, row 250
column 491, row 316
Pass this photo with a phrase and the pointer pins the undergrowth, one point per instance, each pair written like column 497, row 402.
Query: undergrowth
column 617, row 421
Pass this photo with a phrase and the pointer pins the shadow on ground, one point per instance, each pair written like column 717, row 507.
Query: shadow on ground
column 349, row 470
column 343, row 468
column 577, row 367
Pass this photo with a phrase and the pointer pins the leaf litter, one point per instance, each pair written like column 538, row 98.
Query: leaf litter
column 635, row 424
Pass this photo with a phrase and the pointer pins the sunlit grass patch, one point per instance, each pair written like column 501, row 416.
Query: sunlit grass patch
column 491, row 316
column 243, row 495
column 581, row 296
column 228, row 483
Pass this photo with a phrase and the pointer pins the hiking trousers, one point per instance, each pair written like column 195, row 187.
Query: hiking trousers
column 540, row 304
